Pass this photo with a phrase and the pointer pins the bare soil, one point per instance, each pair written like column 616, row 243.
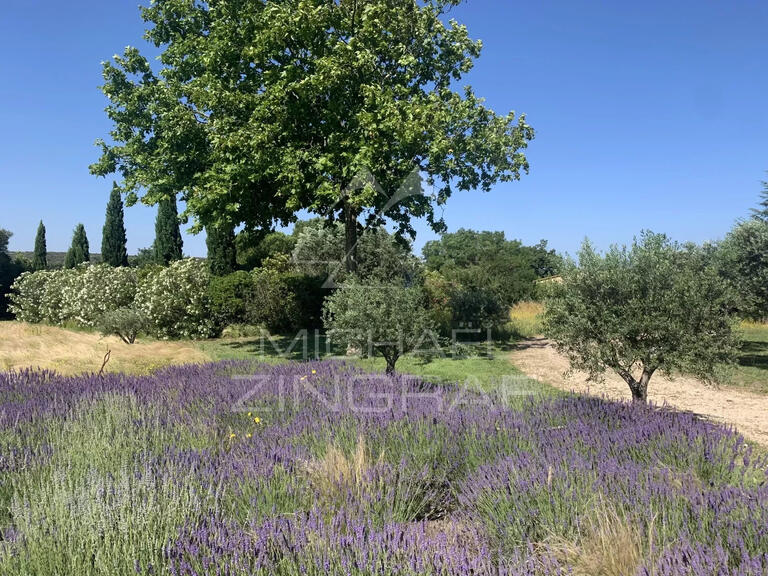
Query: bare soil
column 746, row 411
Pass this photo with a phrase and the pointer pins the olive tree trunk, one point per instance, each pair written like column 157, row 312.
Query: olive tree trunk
column 639, row 387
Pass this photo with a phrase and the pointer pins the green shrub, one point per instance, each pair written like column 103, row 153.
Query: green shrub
column 273, row 305
column 230, row 297
column 438, row 291
column 126, row 323
column 477, row 309
column 308, row 295
column 285, row 300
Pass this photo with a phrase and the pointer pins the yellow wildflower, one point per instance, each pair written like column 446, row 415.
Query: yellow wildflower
column 314, row 371
column 249, row 435
column 257, row 420
column 232, row 435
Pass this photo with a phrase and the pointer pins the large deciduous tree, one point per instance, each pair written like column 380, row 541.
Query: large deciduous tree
column 261, row 109
column 168, row 242
column 488, row 262
column 656, row 306
column 79, row 251
column 319, row 251
column 40, row 255
column 113, row 240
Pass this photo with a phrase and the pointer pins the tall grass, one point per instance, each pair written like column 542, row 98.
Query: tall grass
column 525, row 319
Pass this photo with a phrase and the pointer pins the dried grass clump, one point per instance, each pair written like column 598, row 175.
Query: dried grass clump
column 335, row 473
column 609, row 545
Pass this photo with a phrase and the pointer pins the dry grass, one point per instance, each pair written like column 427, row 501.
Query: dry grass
column 609, row 545
column 525, row 318
column 25, row 345
column 335, row 473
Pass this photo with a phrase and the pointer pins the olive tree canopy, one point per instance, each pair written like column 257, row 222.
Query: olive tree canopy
column 655, row 306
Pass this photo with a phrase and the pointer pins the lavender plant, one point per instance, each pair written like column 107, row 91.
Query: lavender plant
column 320, row 468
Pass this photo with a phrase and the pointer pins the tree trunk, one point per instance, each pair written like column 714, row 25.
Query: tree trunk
column 350, row 237
column 391, row 360
column 639, row 388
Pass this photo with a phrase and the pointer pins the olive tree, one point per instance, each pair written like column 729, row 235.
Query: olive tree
column 656, row 306
column 743, row 258
column 390, row 319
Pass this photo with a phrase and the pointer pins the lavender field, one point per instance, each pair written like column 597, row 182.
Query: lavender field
column 322, row 469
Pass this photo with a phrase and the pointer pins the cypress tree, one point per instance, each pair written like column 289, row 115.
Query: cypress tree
column 761, row 213
column 40, row 256
column 79, row 251
column 113, row 249
column 168, row 242
column 220, row 241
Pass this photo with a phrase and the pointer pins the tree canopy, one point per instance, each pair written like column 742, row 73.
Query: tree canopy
column 220, row 242
column 743, row 257
column 656, row 306
column 261, row 109
column 9, row 270
column 489, row 262
column 320, row 251
column 761, row 212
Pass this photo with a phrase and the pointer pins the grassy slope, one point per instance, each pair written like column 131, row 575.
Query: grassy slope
column 77, row 351
column 478, row 368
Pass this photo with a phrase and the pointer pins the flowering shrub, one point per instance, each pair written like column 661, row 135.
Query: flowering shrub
column 176, row 302
column 315, row 472
column 28, row 296
column 82, row 294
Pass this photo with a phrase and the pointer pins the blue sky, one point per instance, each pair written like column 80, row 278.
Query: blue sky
column 648, row 115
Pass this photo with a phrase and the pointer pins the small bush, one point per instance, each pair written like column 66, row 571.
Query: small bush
column 126, row 323
column 242, row 331
column 285, row 301
column 376, row 317
column 230, row 297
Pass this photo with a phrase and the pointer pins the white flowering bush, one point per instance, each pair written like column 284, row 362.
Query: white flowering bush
column 82, row 294
column 98, row 289
column 27, row 297
column 175, row 300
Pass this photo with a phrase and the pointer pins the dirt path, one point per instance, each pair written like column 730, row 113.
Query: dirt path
column 746, row 411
